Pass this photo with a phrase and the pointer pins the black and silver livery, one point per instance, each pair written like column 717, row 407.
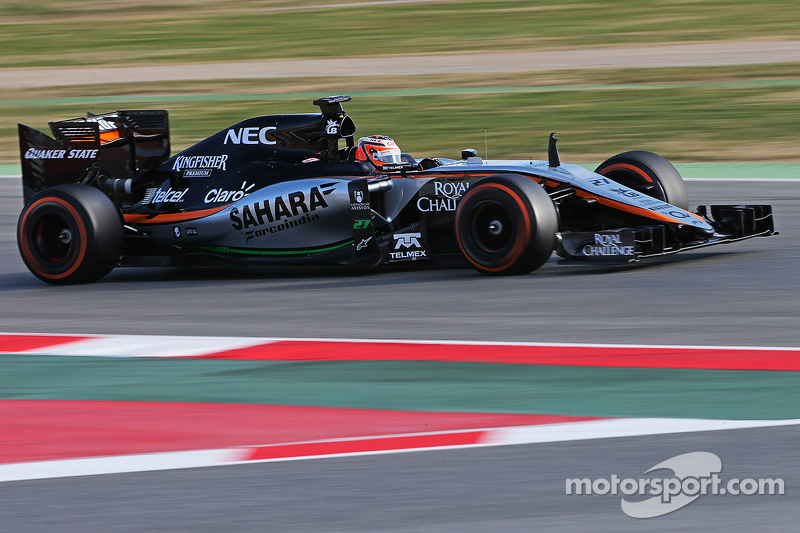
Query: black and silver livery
column 290, row 189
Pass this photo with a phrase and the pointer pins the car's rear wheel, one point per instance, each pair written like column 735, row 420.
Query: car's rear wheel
column 506, row 224
column 649, row 174
column 70, row 234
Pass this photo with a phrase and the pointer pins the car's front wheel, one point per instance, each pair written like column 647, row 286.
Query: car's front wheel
column 506, row 224
column 70, row 234
column 649, row 174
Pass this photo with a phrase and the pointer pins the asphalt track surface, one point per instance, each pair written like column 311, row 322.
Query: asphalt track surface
column 503, row 489
column 741, row 294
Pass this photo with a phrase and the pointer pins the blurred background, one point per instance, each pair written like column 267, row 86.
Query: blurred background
column 732, row 106
column 701, row 82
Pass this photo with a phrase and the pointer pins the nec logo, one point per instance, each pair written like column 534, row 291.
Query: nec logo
column 248, row 136
column 407, row 240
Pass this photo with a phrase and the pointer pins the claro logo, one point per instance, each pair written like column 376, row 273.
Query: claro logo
column 248, row 136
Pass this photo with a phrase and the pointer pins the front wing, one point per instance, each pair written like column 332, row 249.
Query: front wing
column 732, row 223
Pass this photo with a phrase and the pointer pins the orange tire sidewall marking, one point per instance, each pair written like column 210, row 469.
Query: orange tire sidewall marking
column 81, row 230
column 522, row 237
column 625, row 166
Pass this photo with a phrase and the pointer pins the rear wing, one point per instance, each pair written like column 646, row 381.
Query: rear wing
column 117, row 145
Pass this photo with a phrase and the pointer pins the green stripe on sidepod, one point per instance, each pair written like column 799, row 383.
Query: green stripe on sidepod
column 419, row 386
column 247, row 251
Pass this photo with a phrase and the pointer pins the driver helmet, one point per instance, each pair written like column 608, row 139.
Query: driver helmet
column 379, row 150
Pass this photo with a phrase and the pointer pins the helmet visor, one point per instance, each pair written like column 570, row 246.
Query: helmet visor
column 387, row 156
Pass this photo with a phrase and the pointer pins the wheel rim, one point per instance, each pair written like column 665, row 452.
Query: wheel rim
column 492, row 227
column 53, row 238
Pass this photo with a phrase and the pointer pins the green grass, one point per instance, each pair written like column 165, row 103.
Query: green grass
column 743, row 115
column 691, row 114
column 68, row 32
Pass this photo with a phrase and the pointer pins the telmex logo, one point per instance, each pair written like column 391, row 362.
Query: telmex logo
column 249, row 136
column 407, row 240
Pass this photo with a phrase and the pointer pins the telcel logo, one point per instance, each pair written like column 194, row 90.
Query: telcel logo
column 157, row 196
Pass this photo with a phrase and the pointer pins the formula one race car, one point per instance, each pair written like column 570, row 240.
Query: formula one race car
column 286, row 190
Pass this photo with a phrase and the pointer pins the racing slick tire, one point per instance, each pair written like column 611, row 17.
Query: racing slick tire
column 649, row 174
column 70, row 234
column 506, row 224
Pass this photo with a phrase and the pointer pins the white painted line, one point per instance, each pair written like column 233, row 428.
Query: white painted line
column 177, row 346
column 121, row 464
column 507, row 436
column 146, row 346
column 621, row 427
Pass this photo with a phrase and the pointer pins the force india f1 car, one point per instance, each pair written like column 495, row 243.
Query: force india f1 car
column 280, row 189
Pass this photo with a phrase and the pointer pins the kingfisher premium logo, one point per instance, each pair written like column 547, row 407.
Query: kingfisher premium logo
column 199, row 166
